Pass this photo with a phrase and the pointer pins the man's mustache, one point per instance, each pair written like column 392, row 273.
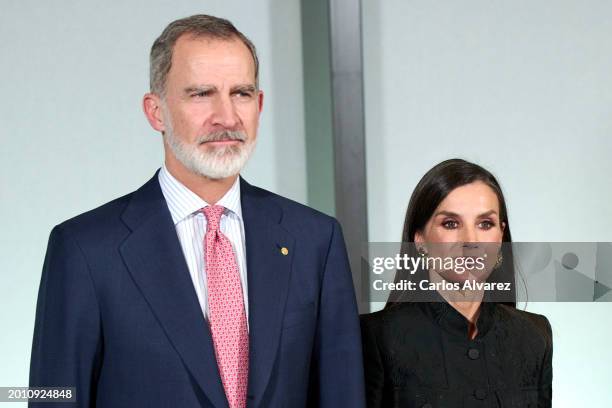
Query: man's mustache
column 222, row 135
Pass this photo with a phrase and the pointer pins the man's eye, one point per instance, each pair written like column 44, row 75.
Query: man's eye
column 450, row 224
column 200, row 94
column 243, row 94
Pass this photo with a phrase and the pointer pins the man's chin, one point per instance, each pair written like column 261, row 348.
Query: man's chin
column 220, row 170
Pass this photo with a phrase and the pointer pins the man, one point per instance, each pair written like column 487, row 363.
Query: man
column 199, row 289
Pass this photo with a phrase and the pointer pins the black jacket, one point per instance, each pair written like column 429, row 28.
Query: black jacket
column 419, row 355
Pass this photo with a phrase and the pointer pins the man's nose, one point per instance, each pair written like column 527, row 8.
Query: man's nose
column 225, row 113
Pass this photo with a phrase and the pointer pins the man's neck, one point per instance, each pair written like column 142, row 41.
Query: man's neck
column 209, row 190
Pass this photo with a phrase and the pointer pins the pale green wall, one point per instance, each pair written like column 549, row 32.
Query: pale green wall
column 318, row 105
column 73, row 135
column 523, row 88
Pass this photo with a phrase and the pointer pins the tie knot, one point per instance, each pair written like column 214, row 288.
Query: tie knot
column 213, row 215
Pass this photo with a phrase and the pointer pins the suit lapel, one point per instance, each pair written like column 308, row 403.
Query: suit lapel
column 268, row 270
column 155, row 260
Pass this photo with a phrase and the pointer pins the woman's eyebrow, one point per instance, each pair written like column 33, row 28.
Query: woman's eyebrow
column 447, row 213
column 454, row 214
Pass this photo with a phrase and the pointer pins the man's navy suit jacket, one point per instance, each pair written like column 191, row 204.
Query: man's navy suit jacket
column 118, row 317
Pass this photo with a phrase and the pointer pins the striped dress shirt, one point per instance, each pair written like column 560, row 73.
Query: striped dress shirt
column 190, row 224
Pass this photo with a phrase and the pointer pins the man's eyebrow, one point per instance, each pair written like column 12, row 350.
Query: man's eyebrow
column 199, row 88
column 244, row 88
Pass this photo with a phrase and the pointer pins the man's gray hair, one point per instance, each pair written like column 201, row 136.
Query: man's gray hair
column 198, row 26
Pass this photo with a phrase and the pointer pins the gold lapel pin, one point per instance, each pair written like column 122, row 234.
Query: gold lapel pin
column 284, row 251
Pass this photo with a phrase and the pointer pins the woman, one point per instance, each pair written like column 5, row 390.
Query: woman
column 451, row 347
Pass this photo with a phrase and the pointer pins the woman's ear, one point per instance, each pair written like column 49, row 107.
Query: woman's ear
column 420, row 244
column 418, row 238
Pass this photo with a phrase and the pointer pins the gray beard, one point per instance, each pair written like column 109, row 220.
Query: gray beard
column 213, row 163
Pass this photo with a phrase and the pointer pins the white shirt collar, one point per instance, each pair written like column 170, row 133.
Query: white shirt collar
column 182, row 202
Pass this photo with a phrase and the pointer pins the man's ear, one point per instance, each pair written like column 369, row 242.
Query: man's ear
column 260, row 100
column 151, row 105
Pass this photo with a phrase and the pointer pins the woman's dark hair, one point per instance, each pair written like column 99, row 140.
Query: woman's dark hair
column 433, row 188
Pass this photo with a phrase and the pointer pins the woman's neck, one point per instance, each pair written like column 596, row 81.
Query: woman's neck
column 467, row 303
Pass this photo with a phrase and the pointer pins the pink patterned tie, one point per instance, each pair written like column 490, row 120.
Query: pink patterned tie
column 227, row 317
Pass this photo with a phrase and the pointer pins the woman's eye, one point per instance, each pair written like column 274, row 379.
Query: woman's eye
column 486, row 225
column 450, row 224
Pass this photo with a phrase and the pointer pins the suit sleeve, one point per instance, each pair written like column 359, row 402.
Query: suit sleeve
column 67, row 345
column 373, row 366
column 545, row 386
column 337, row 377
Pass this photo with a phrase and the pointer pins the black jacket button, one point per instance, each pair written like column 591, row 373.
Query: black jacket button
column 473, row 353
